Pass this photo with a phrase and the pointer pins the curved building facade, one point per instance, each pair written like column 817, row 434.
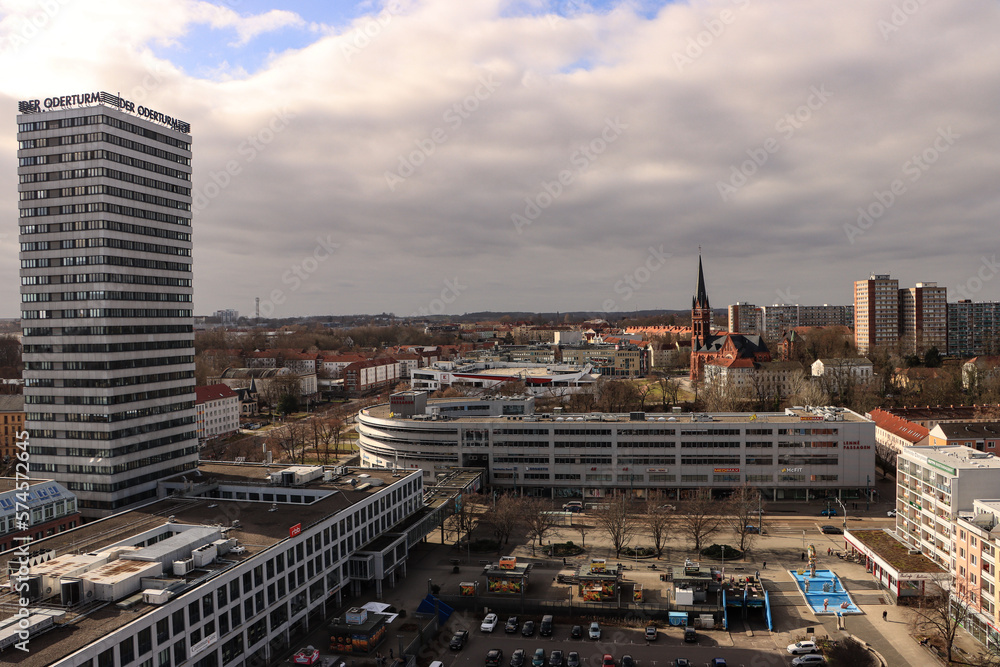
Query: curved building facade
column 797, row 454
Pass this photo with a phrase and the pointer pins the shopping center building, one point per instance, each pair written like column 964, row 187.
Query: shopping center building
column 796, row 454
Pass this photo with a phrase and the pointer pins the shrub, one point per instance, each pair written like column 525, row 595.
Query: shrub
column 721, row 551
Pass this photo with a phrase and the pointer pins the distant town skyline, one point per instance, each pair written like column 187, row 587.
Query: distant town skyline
column 430, row 156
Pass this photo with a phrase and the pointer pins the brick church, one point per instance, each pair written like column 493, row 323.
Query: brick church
column 725, row 349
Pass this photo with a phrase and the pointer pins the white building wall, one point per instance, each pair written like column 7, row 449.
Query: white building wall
column 142, row 252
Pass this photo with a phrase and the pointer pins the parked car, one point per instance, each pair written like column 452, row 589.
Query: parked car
column 517, row 658
column 717, row 662
column 528, row 629
column 538, row 660
column 595, row 630
column 576, row 632
column 832, row 530
column 651, row 633
column 690, row 635
column 829, row 512
column 752, row 529
column 627, row 661
column 682, row 662
column 572, row 659
column 802, row 647
column 891, row 513
column 512, row 625
column 609, row 660
column 809, row 659
column 489, row 623
column 494, row 657
column 546, row 626
column 556, row 658
column 458, row 640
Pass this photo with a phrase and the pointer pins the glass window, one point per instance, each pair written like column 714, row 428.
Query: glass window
column 145, row 640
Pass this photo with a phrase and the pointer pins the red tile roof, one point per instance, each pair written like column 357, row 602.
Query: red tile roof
column 902, row 428
column 212, row 392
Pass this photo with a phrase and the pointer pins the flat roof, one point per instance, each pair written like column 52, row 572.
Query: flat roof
column 259, row 529
column 10, row 483
column 791, row 416
column 894, row 552
column 959, row 457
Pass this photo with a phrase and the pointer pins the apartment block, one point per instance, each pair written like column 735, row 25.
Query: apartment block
column 745, row 318
column 777, row 319
column 923, row 318
column 218, row 409
column 935, row 484
column 876, row 312
column 12, row 416
column 973, row 328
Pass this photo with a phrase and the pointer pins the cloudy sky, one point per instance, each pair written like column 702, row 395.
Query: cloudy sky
column 444, row 155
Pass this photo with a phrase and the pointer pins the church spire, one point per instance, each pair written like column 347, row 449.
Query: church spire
column 701, row 297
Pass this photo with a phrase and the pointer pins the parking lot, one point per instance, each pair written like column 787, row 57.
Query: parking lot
column 618, row 642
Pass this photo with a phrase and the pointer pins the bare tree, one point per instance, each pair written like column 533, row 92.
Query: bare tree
column 659, row 520
column 806, row 391
column 538, row 519
column 323, row 430
column 583, row 400
column 583, row 529
column 503, row 517
column 468, row 513
column 290, row 440
column 619, row 520
column 700, row 519
column 942, row 615
column 669, row 390
column 741, row 515
column 643, row 394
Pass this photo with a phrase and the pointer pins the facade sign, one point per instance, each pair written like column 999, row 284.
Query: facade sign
column 295, row 530
column 107, row 99
column 941, row 466
column 726, row 470
column 204, row 644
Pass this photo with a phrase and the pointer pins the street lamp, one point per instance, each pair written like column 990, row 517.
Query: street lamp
column 843, row 507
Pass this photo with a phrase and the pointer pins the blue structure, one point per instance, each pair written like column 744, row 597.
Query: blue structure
column 824, row 593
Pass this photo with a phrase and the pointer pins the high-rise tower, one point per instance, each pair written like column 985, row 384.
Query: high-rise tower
column 105, row 230
column 876, row 312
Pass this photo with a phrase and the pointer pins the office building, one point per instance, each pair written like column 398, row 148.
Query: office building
column 973, row 328
column 787, row 455
column 923, row 318
column 105, row 231
column 876, row 312
column 207, row 576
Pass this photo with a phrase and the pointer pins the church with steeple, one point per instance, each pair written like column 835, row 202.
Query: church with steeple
column 724, row 349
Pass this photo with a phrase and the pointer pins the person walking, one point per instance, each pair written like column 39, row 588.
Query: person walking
column 764, row 566
column 885, row 615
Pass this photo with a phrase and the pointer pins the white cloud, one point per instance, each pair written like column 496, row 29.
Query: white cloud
column 366, row 94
